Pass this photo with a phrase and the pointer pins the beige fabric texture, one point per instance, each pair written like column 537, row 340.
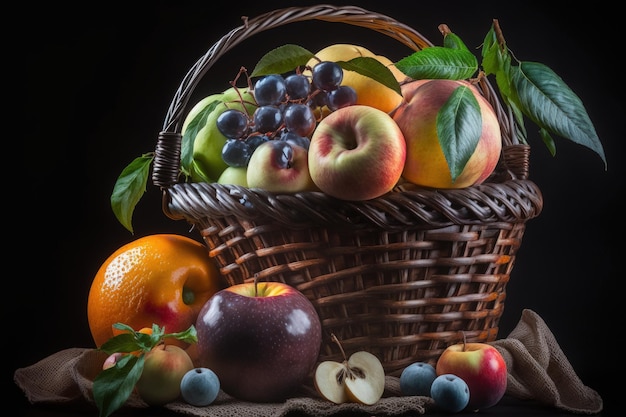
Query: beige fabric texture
column 538, row 370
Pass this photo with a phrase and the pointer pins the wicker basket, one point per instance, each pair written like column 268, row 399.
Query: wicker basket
column 403, row 275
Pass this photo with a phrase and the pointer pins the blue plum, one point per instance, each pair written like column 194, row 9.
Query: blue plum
column 199, row 386
column 450, row 393
column 417, row 378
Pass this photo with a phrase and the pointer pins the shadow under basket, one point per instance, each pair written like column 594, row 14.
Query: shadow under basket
column 402, row 276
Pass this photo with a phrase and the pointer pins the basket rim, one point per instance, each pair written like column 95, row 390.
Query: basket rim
column 407, row 208
column 353, row 15
column 506, row 196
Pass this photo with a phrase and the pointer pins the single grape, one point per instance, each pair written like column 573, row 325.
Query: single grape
column 270, row 90
column 298, row 87
column 300, row 119
column 343, row 96
column 255, row 140
column 319, row 99
column 267, row 119
column 236, row 153
column 296, row 139
column 327, row 75
column 284, row 158
column 232, row 123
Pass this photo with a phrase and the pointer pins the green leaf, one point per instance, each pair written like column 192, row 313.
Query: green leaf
column 198, row 175
column 452, row 41
column 125, row 342
column 459, row 126
column 549, row 142
column 374, row 69
column 437, row 62
column 281, row 60
column 187, row 142
column 502, row 68
column 519, row 120
column 113, row 386
column 129, row 188
column 492, row 55
column 546, row 100
column 190, row 335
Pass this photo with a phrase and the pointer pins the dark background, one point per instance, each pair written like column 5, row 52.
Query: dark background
column 97, row 86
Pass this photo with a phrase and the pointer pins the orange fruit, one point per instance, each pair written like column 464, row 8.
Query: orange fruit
column 162, row 279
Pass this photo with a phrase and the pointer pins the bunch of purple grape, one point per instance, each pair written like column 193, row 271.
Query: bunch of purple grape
column 286, row 111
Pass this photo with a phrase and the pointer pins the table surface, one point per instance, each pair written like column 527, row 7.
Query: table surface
column 508, row 406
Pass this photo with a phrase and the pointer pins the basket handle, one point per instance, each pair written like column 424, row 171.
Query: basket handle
column 166, row 163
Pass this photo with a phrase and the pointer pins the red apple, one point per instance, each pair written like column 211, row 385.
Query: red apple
column 279, row 166
column 426, row 164
column 357, row 153
column 481, row 366
column 262, row 340
column 163, row 370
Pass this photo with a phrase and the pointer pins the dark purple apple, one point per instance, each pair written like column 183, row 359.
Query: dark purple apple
column 262, row 341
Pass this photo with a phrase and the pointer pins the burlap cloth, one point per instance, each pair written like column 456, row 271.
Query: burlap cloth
column 538, row 370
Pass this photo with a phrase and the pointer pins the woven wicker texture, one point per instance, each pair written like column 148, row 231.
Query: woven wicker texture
column 401, row 275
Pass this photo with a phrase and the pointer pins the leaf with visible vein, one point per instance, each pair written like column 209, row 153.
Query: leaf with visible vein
column 491, row 54
column 282, row 60
column 374, row 69
column 113, row 386
column 459, row 126
column 546, row 100
column 129, row 188
column 438, row 62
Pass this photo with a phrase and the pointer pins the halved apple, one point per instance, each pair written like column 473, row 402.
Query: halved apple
column 359, row 379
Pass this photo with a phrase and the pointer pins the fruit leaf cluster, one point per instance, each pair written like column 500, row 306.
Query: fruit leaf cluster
column 529, row 90
column 113, row 386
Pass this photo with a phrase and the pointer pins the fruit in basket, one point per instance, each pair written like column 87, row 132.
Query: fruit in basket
column 450, row 393
column 417, row 378
column 357, row 153
column 200, row 387
column 162, row 279
column 234, row 175
column 359, row 378
column 261, row 339
column 208, row 141
column 426, row 163
column 279, row 166
column 369, row 92
column 163, row 370
column 481, row 366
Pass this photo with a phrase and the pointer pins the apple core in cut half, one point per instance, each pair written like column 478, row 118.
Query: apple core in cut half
column 360, row 379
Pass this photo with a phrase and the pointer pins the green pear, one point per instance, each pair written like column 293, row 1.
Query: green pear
column 208, row 164
column 198, row 107
column 234, row 176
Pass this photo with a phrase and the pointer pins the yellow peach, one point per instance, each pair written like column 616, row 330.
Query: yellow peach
column 369, row 91
column 425, row 163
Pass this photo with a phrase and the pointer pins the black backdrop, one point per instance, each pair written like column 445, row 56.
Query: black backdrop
column 98, row 84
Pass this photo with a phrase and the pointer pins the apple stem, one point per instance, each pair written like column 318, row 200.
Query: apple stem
column 444, row 29
column 256, row 285
column 464, row 340
column 233, row 83
column 334, row 339
column 499, row 34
